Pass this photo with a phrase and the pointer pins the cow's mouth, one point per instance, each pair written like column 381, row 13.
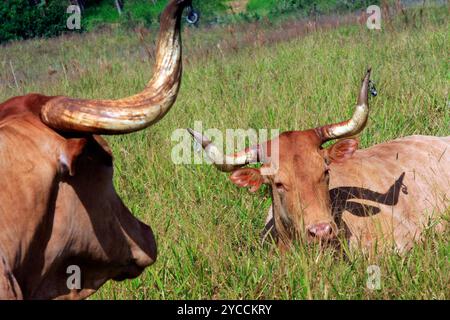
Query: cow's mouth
column 129, row 272
column 327, row 241
column 324, row 242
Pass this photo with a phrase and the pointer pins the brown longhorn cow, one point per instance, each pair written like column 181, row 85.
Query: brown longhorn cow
column 59, row 212
column 386, row 194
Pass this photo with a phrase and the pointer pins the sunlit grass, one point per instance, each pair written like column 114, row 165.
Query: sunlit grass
column 208, row 230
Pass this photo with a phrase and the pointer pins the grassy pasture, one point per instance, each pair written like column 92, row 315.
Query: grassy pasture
column 207, row 229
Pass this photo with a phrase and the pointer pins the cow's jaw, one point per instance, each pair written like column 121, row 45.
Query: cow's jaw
column 94, row 231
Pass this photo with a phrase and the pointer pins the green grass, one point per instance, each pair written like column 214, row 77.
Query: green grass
column 143, row 12
column 207, row 230
column 262, row 7
column 270, row 7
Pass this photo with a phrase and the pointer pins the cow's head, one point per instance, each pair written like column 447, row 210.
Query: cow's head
column 297, row 168
column 70, row 214
column 86, row 225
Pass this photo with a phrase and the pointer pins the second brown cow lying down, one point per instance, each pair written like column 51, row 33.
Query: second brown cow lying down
column 381, row 196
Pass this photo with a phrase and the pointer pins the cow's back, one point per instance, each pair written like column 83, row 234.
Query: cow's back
column 393, row 189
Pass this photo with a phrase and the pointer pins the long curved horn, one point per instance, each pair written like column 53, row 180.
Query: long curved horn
column 357, row 122
column 226, row 163
column 135, row 112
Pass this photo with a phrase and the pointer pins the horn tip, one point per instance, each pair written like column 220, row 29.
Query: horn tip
column 195, row 135
column 203, row 140
column 369, row 70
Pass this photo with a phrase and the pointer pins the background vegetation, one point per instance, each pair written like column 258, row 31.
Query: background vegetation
column 24, row 19
column 287, row 75
column 266, row 7
column 20, row 19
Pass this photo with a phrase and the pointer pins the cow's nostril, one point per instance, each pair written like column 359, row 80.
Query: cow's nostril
column 312, row 232
column 320, row 230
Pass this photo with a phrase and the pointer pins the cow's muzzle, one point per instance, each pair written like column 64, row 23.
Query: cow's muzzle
column 323, row 231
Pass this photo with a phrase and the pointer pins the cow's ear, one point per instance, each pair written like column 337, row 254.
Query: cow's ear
column 248, row 177
column 69, row 154
column 341, row 150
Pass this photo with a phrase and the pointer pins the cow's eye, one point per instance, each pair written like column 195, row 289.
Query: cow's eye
column 327, row 168
column 280, row 186
column 326, row 175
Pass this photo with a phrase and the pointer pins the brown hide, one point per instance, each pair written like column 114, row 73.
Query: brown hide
column 58, row 208
column 383, row 195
